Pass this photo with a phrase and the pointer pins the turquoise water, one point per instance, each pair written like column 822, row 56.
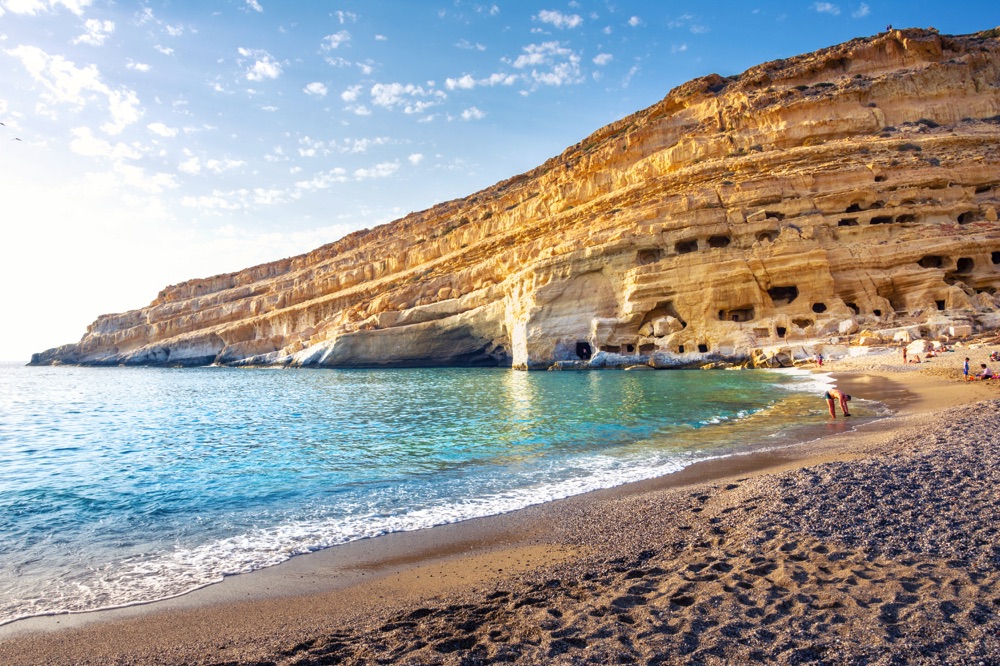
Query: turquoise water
column 124, row 485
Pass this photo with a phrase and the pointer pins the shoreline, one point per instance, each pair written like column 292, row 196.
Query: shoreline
column 266, row 613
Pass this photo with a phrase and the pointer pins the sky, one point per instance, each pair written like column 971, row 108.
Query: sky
column 147, row 143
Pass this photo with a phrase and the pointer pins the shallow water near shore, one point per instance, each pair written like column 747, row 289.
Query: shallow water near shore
column 125, row 485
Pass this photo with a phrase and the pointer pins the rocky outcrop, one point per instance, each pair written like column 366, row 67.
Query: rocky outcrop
column 854, row 189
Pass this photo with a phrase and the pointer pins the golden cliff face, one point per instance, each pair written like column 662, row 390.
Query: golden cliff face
column 856, row 188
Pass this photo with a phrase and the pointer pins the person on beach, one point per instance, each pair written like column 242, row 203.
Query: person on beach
column 834, row 395
column 904, row 354
column 986, row 372
column 965, row 368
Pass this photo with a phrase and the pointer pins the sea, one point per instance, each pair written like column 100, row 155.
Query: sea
column 122, row 486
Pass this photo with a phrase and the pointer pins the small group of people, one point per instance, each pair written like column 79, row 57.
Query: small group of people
column 985, row 371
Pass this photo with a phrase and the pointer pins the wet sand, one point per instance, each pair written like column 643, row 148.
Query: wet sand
column 873, row 545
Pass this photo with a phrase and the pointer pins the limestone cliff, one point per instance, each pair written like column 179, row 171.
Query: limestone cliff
column 855, row 188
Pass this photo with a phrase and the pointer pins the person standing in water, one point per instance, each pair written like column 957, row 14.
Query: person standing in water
column 832, row 397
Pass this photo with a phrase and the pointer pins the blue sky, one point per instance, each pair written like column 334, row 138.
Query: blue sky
column 149, row 143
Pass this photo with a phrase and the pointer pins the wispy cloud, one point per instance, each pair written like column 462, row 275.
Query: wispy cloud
column 316, row 89
column 467, row 82
column 97, row 32
column 65, row 83
column 602, row 59
column 335, row 40
column 551, row 64
column 255, row 6
column 559, row 20
column 827, row 8
column 35, row 7
column 473, row 113
column 162, row 130
column 861, row 11
column 411, row 98
column 263, row 67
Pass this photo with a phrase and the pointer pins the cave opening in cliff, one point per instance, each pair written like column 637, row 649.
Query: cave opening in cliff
column 783, row 295
column 877, row 312
column 995, row 257
column 686, row 246
column 968, row 216
column 648, row 256
column 719, row 241
column 663, row 309
column 853, row 208
column 737, row 315
column 647, row 350
column 876, row 205
column 583, row 350
column 769, row 236
column 908, row 218
column 803, row 323
column 773, row 215
column 781, row 330
column 703, row 348
column 680, row 349
column 854, row 308
column 848, row 222
column 940, row 305
column 983, row 189
column 879, row 179
column 931, row 261
column 881, row 219
column 965, row 265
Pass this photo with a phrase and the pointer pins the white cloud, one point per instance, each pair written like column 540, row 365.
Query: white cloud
column 357, row 146
column 678, row 48
column 351, row 94
column 635, row 21
column 826, row 8
column 165, row 50
column 381, row 170
column 323, row 180
column 254, row 5
column 192, row 166
column 85, row 143
column 162, row 130
column 551, row 64
column 345, row 17
column 315, row 88
column 335, row 40
column 174, row 30
column 466, row 82
column 861, row 11
column 699, row 29
column 66, row 83
column 602, row 59
column 97, row 32
column 469, row 46
column 413, row 99
column 415, row 159
column 137, row 66
column 558, row 19
column 264, row 66
column 359, row 110
column 225, row 164
column 473, row 113
column 35, row 7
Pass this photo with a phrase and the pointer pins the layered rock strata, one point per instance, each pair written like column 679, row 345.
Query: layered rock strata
column 852, row 189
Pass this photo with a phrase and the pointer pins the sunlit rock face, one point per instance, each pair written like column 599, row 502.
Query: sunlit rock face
column 827, row 196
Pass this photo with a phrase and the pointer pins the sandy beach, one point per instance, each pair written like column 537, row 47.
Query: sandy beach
column 874, row 545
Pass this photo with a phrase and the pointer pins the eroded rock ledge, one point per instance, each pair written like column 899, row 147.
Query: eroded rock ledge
column 795, row 205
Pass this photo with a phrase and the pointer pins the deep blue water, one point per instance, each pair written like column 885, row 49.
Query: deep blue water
column 123, row 485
